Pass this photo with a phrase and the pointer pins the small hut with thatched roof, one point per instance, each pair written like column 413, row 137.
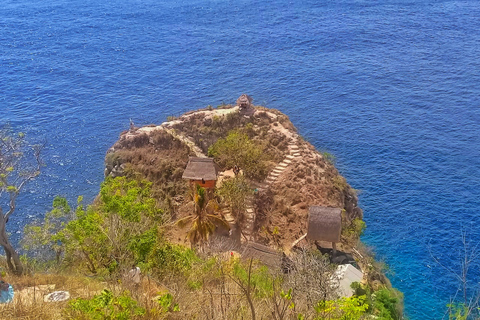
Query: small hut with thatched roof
column 324, row 224
column 266, row 255
column 201, row 171
column 244, row 101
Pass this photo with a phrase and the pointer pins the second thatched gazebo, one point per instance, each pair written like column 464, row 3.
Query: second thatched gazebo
column 324, row 224
column 244, row 101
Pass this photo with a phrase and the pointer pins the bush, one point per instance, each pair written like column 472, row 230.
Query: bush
column 238, row 149
column 235, row 191
column 172, row 259
column 105, row 306
column 388, row 304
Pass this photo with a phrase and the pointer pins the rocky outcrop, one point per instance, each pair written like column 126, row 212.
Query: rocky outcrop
column 299, row 175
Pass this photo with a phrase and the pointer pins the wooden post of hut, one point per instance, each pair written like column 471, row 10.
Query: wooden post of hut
column 325, row 224
column 202, row 172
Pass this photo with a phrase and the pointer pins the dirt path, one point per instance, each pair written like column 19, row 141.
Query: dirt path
column 198, row 152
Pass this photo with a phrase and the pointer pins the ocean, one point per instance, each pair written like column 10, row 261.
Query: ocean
column 391, row 88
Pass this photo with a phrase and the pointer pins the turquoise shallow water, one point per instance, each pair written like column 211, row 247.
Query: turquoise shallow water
column 390, row 87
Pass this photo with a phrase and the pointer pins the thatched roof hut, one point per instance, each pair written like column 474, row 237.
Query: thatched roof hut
column 268, row 256
column 324, row 224
column 200, row 169
column 245, row 101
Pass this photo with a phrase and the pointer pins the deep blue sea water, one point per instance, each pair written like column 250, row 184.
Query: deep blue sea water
column 390, row 87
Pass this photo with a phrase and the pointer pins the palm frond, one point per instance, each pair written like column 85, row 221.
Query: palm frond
column 212, row 206
column 218, row 220
column 184, row 221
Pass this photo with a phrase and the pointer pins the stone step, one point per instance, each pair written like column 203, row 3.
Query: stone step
column 275, row 174
column 296, row 154
column 230, row 219
column 289, row 157
column 278, row 170
column 287, row 161
column 283, row 165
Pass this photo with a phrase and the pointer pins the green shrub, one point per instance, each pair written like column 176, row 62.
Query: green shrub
column 238, row 149
column 388, row 304
column 172, row 259
column 167, row 304
column 105, row 306
column 352, row 308
column 235, row 192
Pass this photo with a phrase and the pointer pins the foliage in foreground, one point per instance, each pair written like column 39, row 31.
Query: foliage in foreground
column 122, row 228
column 104, row 306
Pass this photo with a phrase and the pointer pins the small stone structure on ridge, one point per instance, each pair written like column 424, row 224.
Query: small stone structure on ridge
column 325, row 224
column 201, row 171
column 244, row 102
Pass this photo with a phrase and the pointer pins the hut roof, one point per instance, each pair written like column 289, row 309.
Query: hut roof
column 324, row 224
column 200, row 168
column 268, row 256
column 244, row 100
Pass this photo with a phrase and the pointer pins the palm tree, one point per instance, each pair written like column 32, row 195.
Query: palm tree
column 204, row 221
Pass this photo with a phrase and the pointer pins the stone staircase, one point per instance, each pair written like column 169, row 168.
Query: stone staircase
column 249, row 219
column 227, row 214
column 294, row 152
column 280, row 168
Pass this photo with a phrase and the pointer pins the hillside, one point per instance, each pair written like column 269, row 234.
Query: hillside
column 297, row 175
column 234, row 241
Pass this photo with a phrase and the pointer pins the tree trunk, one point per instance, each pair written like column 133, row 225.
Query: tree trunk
column 13, row 259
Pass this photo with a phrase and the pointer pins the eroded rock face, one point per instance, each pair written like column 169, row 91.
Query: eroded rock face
column 351, row 205
column 115, row 171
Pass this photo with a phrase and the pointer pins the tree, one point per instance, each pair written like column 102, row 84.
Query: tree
column 465, row 304
column 235, row 191
column 42, row 239
column 19, row 164
column 120, row 228
column 203, row 221
column 238, row 149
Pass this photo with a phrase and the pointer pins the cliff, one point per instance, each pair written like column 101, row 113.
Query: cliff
column 296, row 176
